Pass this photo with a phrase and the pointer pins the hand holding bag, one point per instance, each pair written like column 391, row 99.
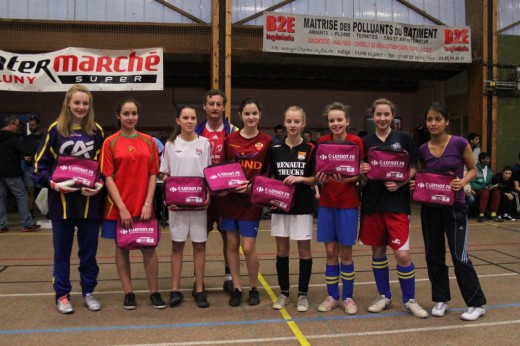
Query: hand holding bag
column 272, row 193
column 84, row 172
column 434, row 188
column 388, row 164
column 338, row 158
column 141, row 234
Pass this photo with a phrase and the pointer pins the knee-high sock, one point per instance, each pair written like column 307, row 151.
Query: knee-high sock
column 382, row 275
column 407, row 281
column 305, row 276
column 347, row 278
column 332, row 278
column 282, row 268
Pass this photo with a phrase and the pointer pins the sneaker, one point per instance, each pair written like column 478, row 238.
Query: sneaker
column 480, row 219
column 228, row 286
column 130, row 303
column 236, row 297
column 175, row 298
column 194, row 289
column 350, row 306
column 473, row 313
column 64, row 306
column 281, row 302
column 328, row 304
column 498, row 219
column 380, row 304
column 91, row 302
column 415, row 309
column 303, row 304
column 439, row 309
column 508, row 217
column 200, row 300
column 31, row 228
column 254, row 297
column 157, row 301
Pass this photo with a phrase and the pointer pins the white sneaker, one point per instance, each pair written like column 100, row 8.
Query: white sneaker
column 281, row 302
column 415, row 309
column 439, row 309
column 303, row 304
column 350, row 306
column 380, row 304
column 91, row 302
column 328, row 304
column 473, row 313
column 64, row 306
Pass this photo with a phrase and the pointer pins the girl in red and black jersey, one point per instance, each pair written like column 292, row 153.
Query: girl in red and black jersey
column 239, row 218
column 292, row 161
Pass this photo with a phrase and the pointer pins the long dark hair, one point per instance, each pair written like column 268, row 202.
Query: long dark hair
column 177, row 131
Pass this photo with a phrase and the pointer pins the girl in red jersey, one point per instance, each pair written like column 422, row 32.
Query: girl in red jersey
column 338, row 216
column 240, row 219
column 129, row 161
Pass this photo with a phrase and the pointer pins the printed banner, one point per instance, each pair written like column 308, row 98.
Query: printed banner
column 99, row 70
column 357, row 38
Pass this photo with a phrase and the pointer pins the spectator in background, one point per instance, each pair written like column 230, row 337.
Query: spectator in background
column 279, row 134
column 307, row 137
column 487, row 195
column 31, row 143
column 10, row 175
column 474, row 142
column 508, row 196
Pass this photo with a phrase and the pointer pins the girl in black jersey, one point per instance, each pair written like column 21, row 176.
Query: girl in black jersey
column 292, row 161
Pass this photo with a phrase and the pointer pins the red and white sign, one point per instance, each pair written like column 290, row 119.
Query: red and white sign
column 99, row 70
column 358, row 38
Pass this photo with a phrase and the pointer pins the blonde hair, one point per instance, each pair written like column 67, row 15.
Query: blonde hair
column 296, row 109
column 65, row 119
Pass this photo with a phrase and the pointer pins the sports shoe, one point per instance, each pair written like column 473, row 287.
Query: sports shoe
column 64, row 306
column 498, row 219
column 473, row 313
column 31, row 228
column 91, row 302
column 175, row 298
column 130, row 303
column 303, row 304
column 200, row 300
column 508, row 217
column 228, row 286
column 328, row 304
column 254, row 297
column 236, row 297
column 194, row 289
column 415, row 309
column 281, row 302
column 439, row 309
column 350, row 306
column 157, row 301
column 380, row 304
column 480, row 219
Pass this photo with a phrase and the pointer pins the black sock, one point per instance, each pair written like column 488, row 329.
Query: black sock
column 282, row 268
column 305, row 276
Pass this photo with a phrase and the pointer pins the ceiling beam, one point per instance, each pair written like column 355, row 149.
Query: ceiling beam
column 421, row 12
column 258, row 14
column 182, row 12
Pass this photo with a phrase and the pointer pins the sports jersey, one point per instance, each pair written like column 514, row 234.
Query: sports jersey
column 129, row 160
column 297, row 161
column 69, row 205
column 375, row 196
column 339, row 195
column 186, row 158
column 216, row 138
column 253, row 155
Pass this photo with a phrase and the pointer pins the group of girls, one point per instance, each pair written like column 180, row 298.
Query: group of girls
column 129, row 165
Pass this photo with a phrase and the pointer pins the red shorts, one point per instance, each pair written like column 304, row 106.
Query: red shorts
column 385, row 228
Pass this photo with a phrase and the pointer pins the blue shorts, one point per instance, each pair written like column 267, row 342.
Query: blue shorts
column 108, row 229
column 337, row 225
column 247, row 228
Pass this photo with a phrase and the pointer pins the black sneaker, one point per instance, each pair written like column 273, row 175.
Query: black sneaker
column 228, row 286
column 31, row 228
column 498, row 219
column 175, row 298
column 480, row 219
column 130, row 303
column 236, row 297
column 254, row 296
column 508, row 217
column 194, row 289
column 157, row 301
column 201, row 300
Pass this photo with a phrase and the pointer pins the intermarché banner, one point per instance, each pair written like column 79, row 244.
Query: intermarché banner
column 99, row 70
column 357, row 38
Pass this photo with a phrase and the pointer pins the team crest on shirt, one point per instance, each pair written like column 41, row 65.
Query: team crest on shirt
column 301, row 155
column 396, row 146
column 198, row 151
column 131, row 149
column 259, row 146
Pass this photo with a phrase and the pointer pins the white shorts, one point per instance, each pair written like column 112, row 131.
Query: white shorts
column 295, row 227
column 192, row 223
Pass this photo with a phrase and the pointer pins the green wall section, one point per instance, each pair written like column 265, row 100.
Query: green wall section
column 508, row 108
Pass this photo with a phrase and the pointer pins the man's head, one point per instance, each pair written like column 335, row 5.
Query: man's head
column 507, row 172
column 279, row 131
column 11, row 123
column 214, row 104
column 307, row 136
column 474, row 140
column 484, row 159
column 34, row 124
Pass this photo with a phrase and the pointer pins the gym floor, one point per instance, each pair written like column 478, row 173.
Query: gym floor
column 28, row 315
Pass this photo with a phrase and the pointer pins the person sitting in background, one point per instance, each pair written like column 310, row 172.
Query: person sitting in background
column 508, row 197
column 487, row 195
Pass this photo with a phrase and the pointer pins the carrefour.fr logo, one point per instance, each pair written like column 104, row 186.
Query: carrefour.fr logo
column 374, row 163
column 64, row 167
column 260, row 189
column 421, row 185
column 173, row 189
column 323, row 156
column 124, row 231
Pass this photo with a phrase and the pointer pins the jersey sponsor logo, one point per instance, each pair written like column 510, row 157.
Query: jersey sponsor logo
column 79, row 148
column 302, row 155
column 396, row 146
